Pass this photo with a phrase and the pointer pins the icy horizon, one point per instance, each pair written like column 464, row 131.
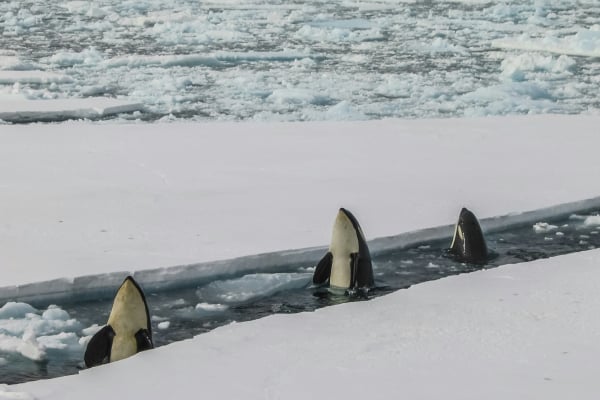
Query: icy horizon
column 269, row 60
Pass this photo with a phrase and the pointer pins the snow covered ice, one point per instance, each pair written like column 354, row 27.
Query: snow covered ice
column 514, row 335
column 84, row 204
column 144, row 197
column 271, row 60
column 130, row 186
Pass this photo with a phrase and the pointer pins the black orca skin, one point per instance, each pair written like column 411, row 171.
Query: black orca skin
column 468, row 244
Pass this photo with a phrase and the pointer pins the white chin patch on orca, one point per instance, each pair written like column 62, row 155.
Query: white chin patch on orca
column 127, row 317
column 344, row 242
column 458, row 234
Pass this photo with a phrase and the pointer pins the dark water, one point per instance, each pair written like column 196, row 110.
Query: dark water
column 393, row 271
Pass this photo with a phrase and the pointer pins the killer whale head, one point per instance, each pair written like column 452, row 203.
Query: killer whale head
column 128, row 330
column 347, row 264
column 468, row 244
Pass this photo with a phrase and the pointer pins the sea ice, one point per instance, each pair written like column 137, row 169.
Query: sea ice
column 90, row 56
column 516, row 67
column 123, row 49
column 164, row 325
column 592, row 220
column 211, row 307
column 91, row 330
column 542, row 227
column 24, row 331
column 16, row 109
column 586, row 42
column 13, row 310
column 252, row 286
column 39, row 77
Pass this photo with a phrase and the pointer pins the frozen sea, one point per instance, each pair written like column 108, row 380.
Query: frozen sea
column 304, row 60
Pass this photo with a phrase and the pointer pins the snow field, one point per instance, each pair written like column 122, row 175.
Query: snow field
column 517, row 331
column 99, row 202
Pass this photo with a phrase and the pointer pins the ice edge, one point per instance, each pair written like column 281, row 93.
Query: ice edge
column 165, row 278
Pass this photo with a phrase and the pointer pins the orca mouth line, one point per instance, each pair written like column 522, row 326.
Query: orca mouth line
column 186, row 312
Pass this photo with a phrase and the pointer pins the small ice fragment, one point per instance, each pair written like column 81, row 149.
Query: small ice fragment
column 576, row 217
column 593, row 232
column 407, row 262
column 91, row 330
column 584, row 237
column 424, row 247
column 156, row 318
column 592, row 220
column 548, row 239
column 164, row 325
column 583, row 242
column 251, row 286
column 65, row 341
column 542, row 227
column 27, row 346
column 564, row 226
column 432, row 265
column 16, row 310
column 55, row 313
column 211, row 307
column 559, row 233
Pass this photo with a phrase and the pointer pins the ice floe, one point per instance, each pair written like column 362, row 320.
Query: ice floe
column 586, row 42
column 543, row 227
column 516, row 67
column 178, row 182
column 10, row 77
column 27, row 332
column 451, row 59
column 250, row 287
column 17, row 109
column 592, row 220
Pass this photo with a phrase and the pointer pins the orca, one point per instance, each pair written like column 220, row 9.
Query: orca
column 347, row 264
column 128, row 330
column 468, row 244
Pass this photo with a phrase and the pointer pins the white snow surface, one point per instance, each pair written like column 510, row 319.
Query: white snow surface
column 524, row 331
column 82, row 199
column 85, row 199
